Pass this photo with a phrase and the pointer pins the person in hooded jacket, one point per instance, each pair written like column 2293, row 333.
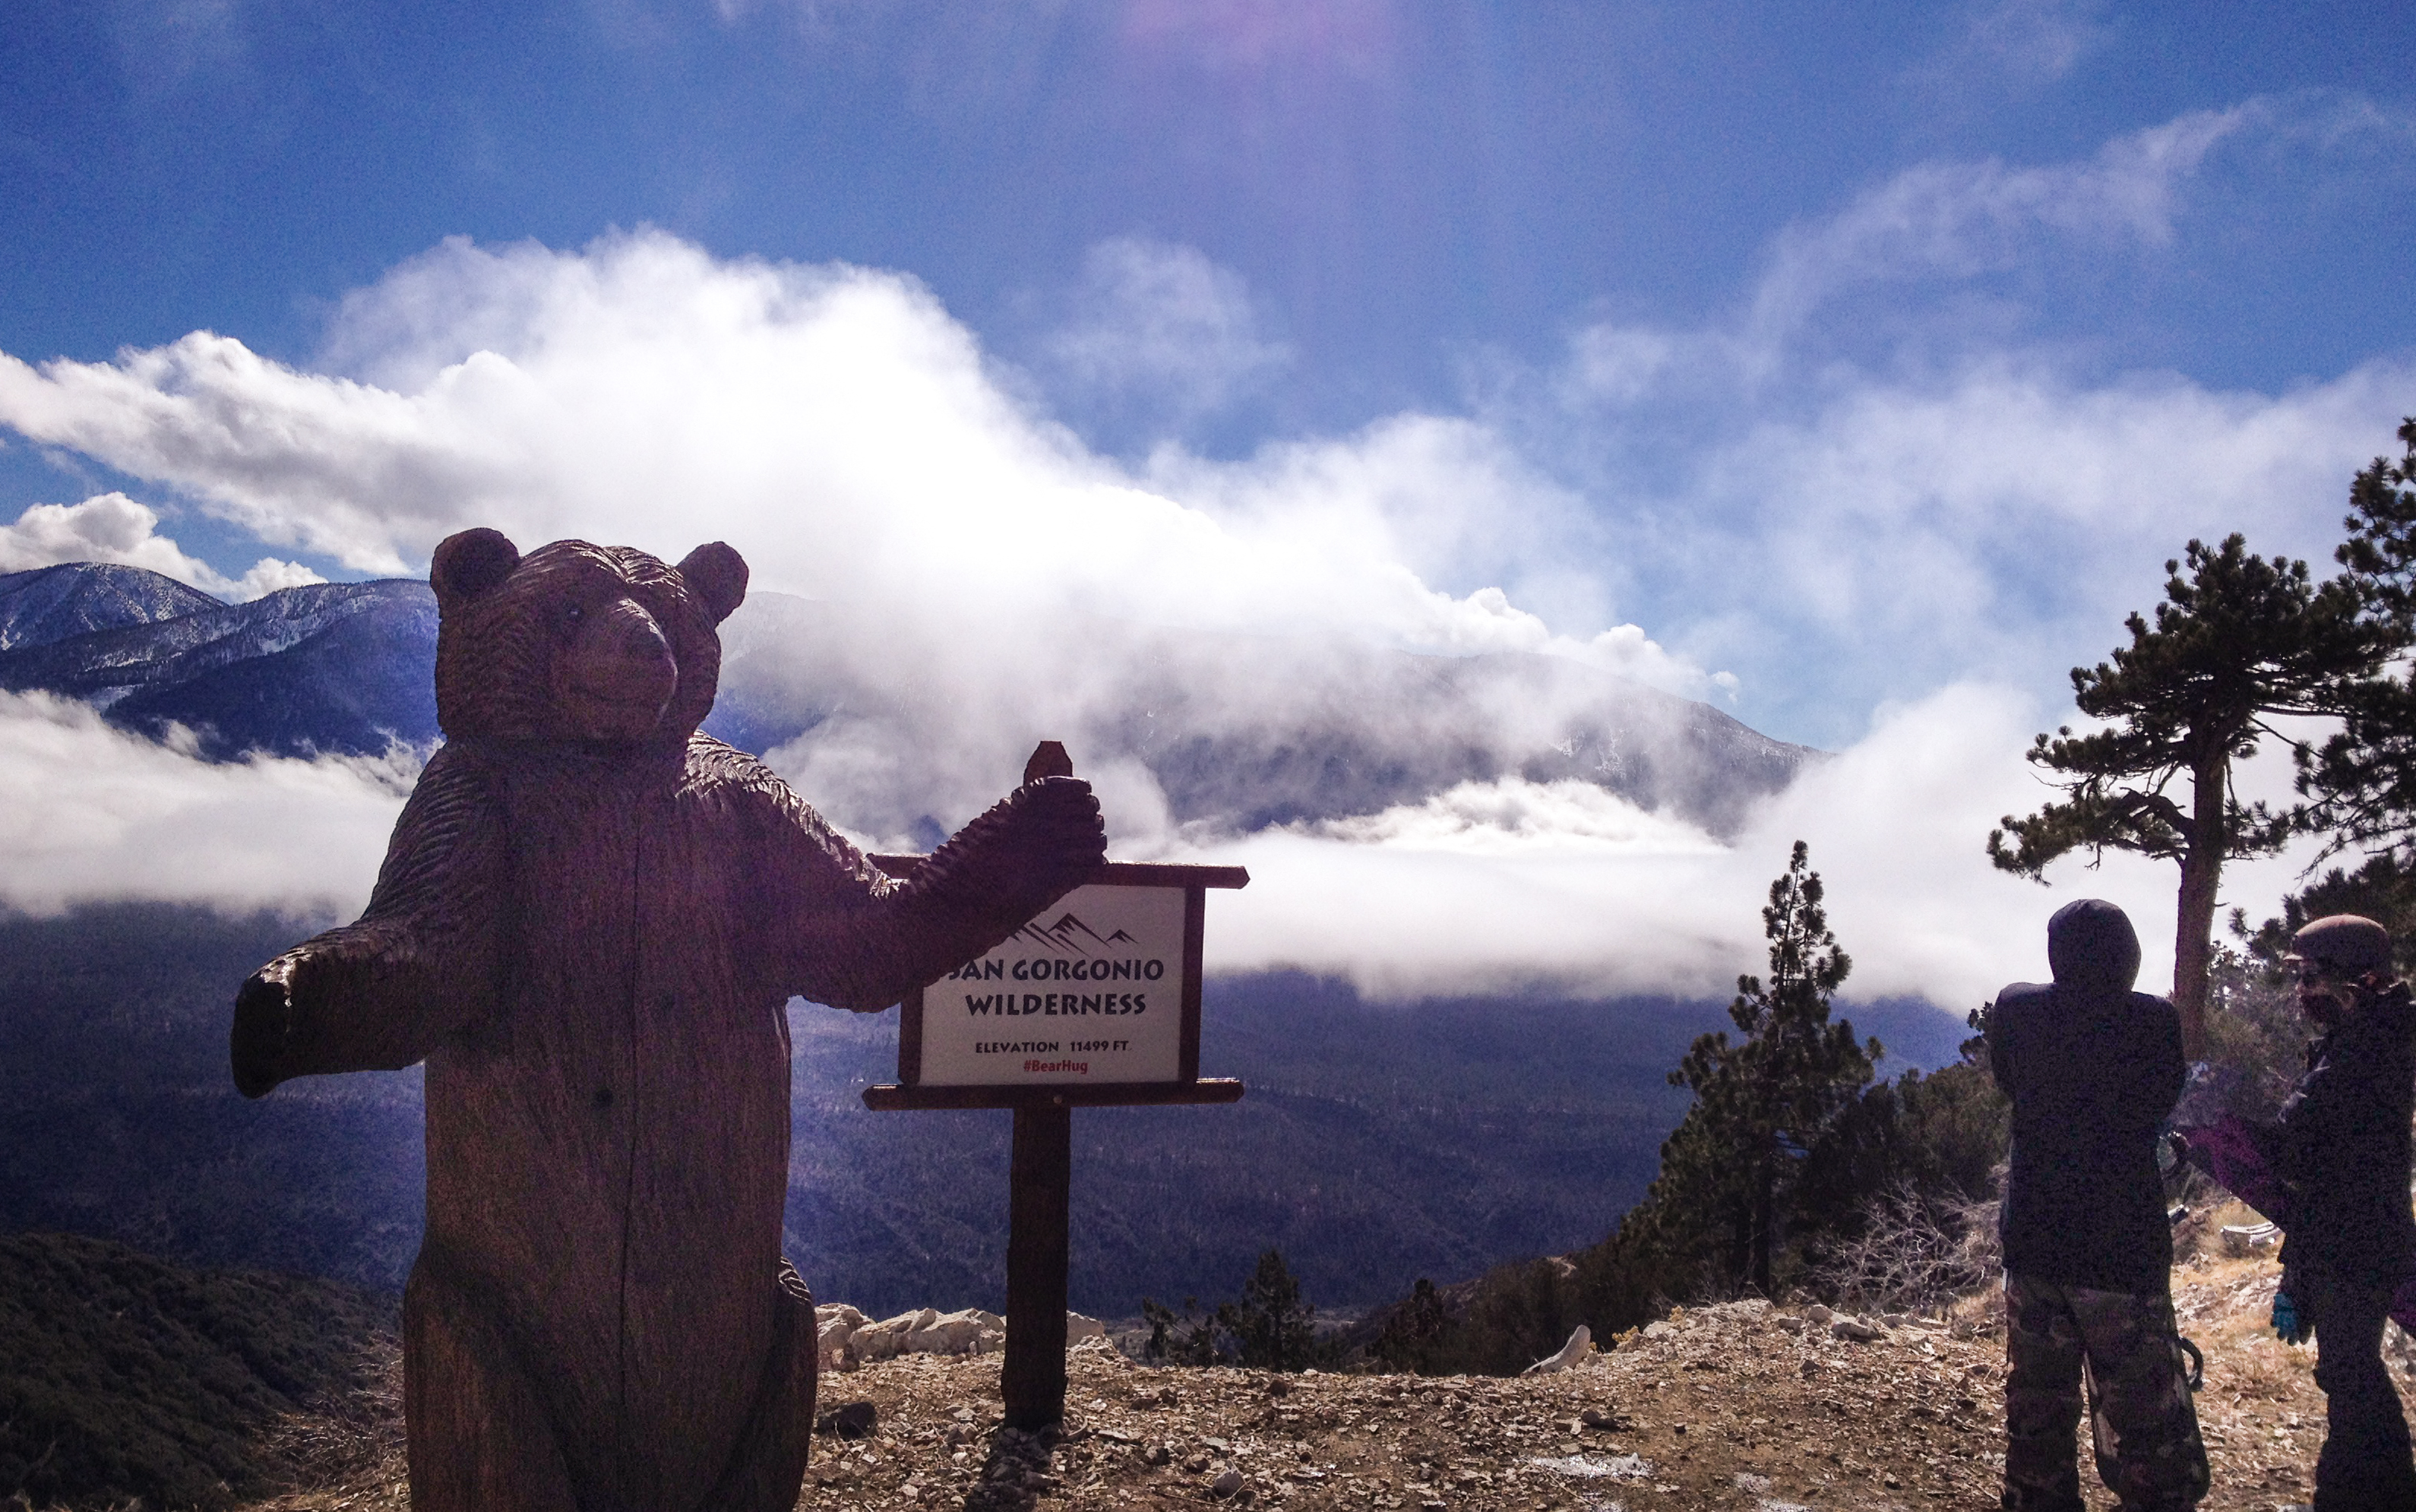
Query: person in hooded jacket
column 2093, row 1069
column 2340, row 1148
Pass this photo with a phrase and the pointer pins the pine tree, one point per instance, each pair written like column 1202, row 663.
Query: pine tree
column 2363, row 779
column 1186, row 1340
column 2380, row 552
column 2383, row 889
column 1273, row 1326
column 2239, row 640
column 1764, row 1105
column 1787, row 1144
column 1413, row 1332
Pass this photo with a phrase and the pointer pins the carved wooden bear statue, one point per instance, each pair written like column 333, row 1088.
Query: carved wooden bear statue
column 587, row 924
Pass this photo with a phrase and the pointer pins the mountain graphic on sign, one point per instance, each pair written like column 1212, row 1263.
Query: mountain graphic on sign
column 1071, row 935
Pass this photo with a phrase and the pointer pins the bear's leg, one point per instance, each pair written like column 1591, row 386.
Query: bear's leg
column 769, row 1464
column 480, row 1439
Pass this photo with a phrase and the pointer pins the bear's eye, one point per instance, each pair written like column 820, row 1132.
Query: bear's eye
column 574, row 614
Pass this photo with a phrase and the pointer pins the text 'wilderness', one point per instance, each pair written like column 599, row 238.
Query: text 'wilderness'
column 1054, row 1005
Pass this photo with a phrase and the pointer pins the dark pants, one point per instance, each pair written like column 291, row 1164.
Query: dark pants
column 2142, row 1423
column 2366, row 1465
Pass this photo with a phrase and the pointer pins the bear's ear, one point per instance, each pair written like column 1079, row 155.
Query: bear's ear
column 471, row 564
column 718, row 576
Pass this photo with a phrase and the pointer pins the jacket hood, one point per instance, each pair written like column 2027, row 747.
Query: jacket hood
column 2091, row 946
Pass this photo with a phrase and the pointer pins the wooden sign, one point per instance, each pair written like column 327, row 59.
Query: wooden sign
column 1093, row 1002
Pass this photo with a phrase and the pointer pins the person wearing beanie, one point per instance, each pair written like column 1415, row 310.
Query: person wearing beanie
column 2093, row 1069
column 2340, row 1148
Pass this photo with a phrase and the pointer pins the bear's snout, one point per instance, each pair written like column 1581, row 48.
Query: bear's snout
column 618, row 673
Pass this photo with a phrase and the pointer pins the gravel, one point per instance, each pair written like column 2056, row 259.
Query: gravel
column 1736, row 1406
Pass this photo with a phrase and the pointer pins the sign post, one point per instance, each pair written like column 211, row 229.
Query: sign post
column 1038, row 1253
column 1093, row 1004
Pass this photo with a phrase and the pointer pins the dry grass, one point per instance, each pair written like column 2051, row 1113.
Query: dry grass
column 2261, row 1412
column 350, row 1455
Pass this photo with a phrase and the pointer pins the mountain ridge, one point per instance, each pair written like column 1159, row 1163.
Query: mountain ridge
column 1237, row 731
column 340, row 668
column 45, row 604
column 1243, row 731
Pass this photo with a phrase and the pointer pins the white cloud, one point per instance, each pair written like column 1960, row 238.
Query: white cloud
column 1553, row 885
column 98, row 814
column 1161, row 326
column 266, row 576
column 1475, row 889
column 1875, row 538
column 838, row 426
column 2011, row 46
column 1956, row 220
column 1860, row 483
column 2002, row 524
column 111, row 527
column 1513, row 816
column 1928, row 265
column 1446, row 497
column 834, row 419
column 2036, row 40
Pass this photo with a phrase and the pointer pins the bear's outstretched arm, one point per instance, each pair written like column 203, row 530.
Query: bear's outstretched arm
column 854, row 940
column 379, row 993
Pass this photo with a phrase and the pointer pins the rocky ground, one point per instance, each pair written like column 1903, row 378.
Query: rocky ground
column 1741, row 1405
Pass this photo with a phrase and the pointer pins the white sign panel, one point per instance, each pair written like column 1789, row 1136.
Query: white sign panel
column 1090, row 991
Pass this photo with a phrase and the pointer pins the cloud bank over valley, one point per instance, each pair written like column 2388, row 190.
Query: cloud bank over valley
column 105, row 815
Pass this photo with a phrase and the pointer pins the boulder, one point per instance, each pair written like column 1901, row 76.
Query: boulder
column 971, row 1331
column 834, row 1325
column 1580, row 1344
column 887, row 1338
column 849, row 1420
column 846, row 1339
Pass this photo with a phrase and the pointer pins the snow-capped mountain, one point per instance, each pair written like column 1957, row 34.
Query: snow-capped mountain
column 339, row 667
column 1236, row 731
column 53, row 603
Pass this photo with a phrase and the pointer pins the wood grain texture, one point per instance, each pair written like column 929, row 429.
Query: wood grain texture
column 589, row 937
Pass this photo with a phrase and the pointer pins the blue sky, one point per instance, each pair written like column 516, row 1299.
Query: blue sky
column 1402, row 188
column 1827, row 363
